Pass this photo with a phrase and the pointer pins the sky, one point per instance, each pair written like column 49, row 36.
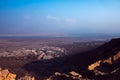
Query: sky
column 59, row 17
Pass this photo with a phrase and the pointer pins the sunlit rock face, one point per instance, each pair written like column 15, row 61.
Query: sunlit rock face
column 6, row 75
column 94, row 65
column 116, row 57
column 108, row 61
column 63, row 76
column 112, row 59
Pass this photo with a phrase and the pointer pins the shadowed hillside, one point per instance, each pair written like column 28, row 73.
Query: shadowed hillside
column 100, row 63
column 62, row 62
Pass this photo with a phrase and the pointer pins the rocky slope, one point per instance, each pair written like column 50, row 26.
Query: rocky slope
column 51, row 63
column 107, row 61
column 6, row 75
column 102, row 63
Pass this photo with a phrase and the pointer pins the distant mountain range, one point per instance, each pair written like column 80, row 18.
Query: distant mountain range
column 85, row 35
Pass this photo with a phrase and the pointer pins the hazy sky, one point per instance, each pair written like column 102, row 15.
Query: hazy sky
column 59, row 16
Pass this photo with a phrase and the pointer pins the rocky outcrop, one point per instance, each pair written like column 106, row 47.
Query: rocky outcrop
column 94, row 65
column 109, row 60
column 62, row 76
column 50, row 52
column 46, row 52
column 27, row 77
column 112, row 59
column 6, row 75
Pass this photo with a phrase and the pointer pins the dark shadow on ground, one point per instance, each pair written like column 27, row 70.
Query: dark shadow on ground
column 78, row 62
